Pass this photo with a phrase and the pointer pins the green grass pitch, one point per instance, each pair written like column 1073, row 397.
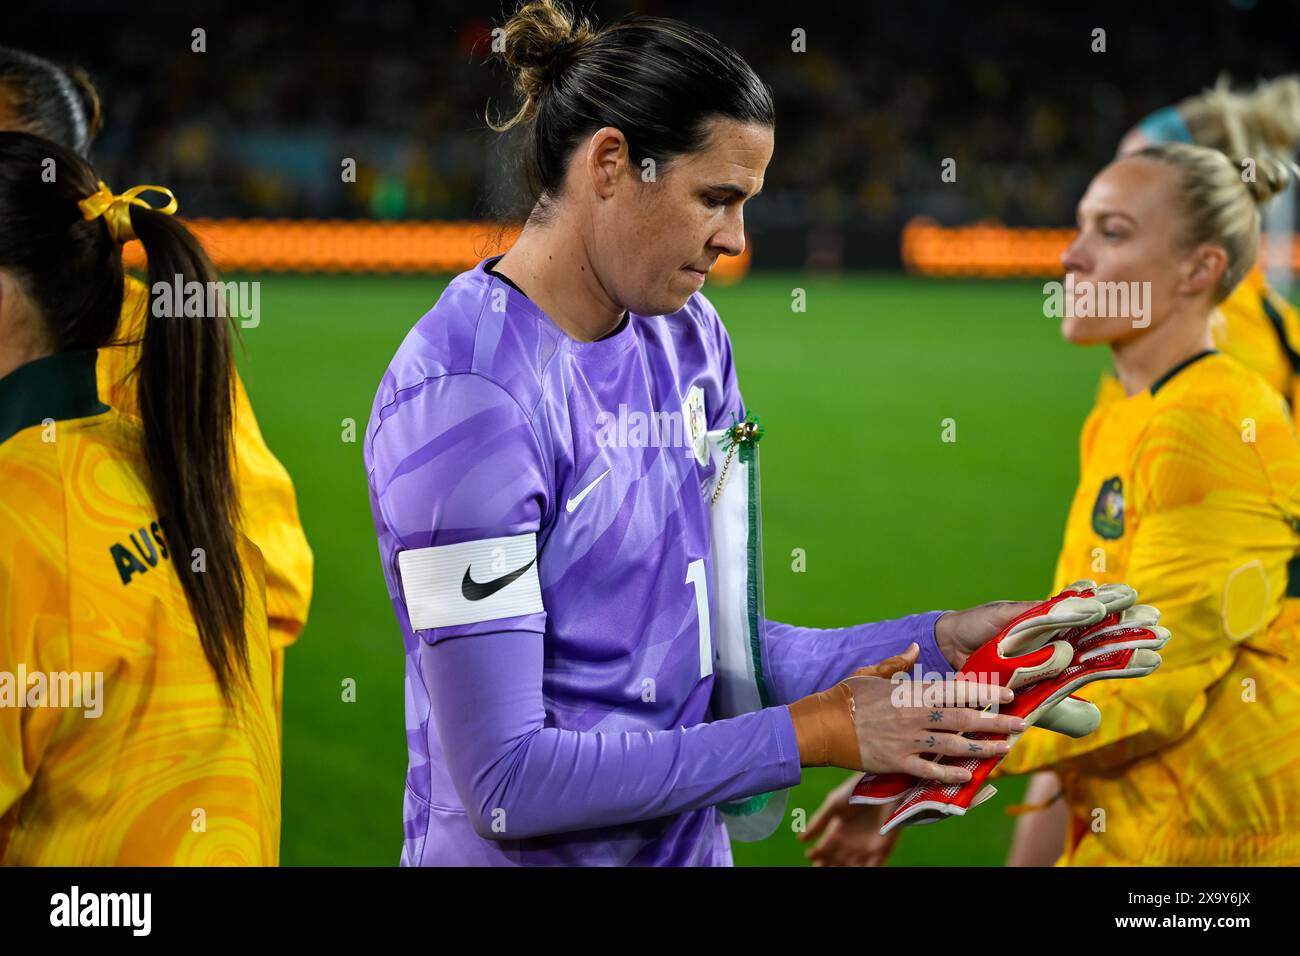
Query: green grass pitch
column 853, row 392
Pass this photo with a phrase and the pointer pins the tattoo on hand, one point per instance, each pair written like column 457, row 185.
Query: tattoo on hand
column 936, row 716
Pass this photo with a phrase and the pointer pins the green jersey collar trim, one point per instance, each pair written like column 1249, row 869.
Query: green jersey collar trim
column 1163, row 380
column 57, row 387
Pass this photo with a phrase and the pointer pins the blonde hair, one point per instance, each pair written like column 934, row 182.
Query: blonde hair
column 1221, row 200
column 1258, row 122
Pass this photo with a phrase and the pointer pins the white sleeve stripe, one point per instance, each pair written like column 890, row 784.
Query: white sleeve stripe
column 472, row 581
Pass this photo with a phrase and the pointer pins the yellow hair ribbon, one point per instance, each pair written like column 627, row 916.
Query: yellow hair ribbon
column 116, row 210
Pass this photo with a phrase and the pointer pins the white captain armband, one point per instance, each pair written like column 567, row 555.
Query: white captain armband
column 470, row 582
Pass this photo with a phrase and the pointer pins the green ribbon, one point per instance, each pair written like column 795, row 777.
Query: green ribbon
column 745, row 434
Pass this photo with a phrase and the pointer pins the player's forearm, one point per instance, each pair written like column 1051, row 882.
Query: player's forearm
column 1138, row 718
column 519, row 779
column 803, row 660
column 563, row 780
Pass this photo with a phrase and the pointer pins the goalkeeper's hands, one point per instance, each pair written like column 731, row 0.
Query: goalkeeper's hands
column 999, row 630
column 858, row 724
column 958, row 634
column 1095, row 632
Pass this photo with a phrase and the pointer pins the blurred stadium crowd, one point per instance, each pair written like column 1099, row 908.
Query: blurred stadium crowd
column 259, row 123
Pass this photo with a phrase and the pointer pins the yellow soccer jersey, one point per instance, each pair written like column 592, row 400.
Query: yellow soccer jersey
column 143, row 764
column 266, row 495
column 1260, row 330
column 1189, row 492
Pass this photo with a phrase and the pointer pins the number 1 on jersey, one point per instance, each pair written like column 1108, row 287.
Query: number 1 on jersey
column 695, row 574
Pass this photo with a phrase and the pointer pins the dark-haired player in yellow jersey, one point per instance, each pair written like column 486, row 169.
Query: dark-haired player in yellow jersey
column 137, row 714
column 61, row 104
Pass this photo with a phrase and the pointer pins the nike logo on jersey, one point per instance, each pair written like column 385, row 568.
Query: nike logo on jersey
column 576, row 500
column 476, row 591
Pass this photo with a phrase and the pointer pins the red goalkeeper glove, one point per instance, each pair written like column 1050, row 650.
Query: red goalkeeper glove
column 1081, row 635
column 1023, row 637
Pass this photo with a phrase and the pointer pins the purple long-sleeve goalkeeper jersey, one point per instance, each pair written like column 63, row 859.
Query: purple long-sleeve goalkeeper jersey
column 544, row 534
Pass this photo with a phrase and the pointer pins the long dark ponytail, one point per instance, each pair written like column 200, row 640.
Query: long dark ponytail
column 71, row 269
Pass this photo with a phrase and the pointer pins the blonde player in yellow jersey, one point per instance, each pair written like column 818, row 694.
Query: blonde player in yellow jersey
column 137, row 718
column 61, row 104
column 1253, row 325
column 1190, row 491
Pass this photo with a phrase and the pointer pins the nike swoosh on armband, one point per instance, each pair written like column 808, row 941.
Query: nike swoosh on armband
column 476, row 591
column 438, row 586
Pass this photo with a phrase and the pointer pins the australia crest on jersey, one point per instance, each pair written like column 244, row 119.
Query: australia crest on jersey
column 696, row 421
column 1108, row 512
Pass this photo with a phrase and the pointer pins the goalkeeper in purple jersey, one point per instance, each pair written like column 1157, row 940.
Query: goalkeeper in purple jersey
column 548, row 552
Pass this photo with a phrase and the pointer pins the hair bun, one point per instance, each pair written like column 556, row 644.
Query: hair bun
column 537, row 43
column 1273, row 174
